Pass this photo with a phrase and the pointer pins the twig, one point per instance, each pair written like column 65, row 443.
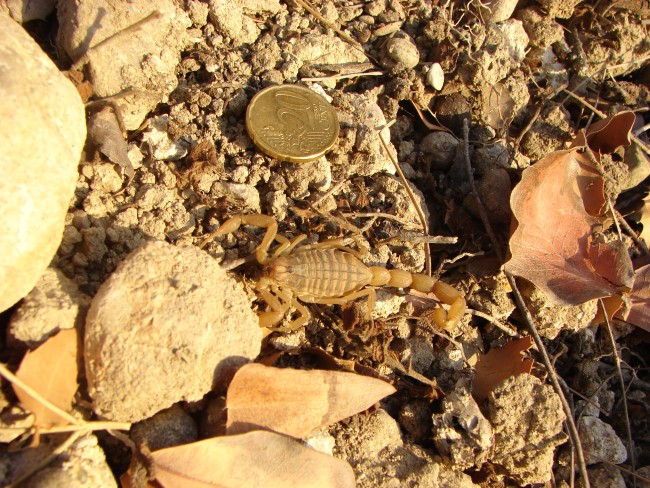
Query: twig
column 343, row 76
column 635, row 475
column 528, row 319
column 496, row 323
column 309, row 8
column 155, row 15
column 617, row 361
column 639, row 242
column 573, row 430
column 472, row 184
column 85, row 427
column 524, row 131
column 9, row 376
column 414, row 201
column 610, row 207
column 357, row 215
column 329, row 193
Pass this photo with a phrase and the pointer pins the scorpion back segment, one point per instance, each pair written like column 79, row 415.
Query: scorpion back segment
column 328, row 273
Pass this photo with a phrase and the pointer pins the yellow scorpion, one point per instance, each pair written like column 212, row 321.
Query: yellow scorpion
column 328, row 273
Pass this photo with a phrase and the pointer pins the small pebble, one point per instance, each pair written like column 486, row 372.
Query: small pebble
column 404, row 51
column 436, row 77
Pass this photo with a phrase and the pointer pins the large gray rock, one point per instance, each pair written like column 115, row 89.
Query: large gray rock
column 43, row 131
column 140, row 61
column 165, row 327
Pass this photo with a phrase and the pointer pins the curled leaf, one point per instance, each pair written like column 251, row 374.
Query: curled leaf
column 607, row 135
column 105, row 131
column 552, row 245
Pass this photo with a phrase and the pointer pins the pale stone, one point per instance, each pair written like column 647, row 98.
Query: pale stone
column 164, row 328
column 44, row 128
column 141, row 61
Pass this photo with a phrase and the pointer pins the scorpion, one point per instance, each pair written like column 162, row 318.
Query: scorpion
column 327, row 272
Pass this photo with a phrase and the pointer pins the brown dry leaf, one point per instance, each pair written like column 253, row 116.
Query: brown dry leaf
column 296, row 402
column 498, row 106
column 104, row 129
column 551, row 245
column 606, row 135
column 639, row 313
column 612, row 305
column 499, row 364
column 252, row 460
column 51, row 370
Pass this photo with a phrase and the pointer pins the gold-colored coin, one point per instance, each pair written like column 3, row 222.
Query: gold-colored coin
column 292, row 123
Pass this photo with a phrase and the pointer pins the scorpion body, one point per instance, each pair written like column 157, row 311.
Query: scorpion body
column 328, row 273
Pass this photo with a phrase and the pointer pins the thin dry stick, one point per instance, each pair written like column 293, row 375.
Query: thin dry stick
column 309, row 8
column 481, row 208
column 573, row 431
column 506, row 330
column 528, row 319
column 421, row 216
column 639, row 242
column 619, row 371
column 9, row 376
column 155, row 15
column 329, row 193
column 61, row 429
column 343, row 76
column 48, row 459
column 356, row 215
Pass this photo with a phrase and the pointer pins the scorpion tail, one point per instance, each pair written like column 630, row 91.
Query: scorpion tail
column 447, row 294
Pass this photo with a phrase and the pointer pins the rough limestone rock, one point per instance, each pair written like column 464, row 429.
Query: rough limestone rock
column 140, row 62
column 600, row 442
column 460, row 432
column 527, row 419
column 44, row 128
column 54, row 304
column 165, row 327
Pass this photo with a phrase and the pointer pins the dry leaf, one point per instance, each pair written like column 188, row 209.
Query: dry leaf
column 551, row 245
column 296, row 402
column 498, row 106
column 639, row 313
column 51, row 370
column 499, row 364
column 256, row 459
column 613, row 305
column 105, row 131
column 606, row 135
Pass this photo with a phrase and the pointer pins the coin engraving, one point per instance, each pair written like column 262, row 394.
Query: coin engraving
column 292, row 123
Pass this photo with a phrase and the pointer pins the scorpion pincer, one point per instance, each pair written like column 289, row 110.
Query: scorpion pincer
column 328, row 273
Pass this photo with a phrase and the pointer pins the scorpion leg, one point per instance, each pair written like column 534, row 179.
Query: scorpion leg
column 258, row 220
column 364, row 292
column 286, row 245
column 338, row 243
column 280, row 301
